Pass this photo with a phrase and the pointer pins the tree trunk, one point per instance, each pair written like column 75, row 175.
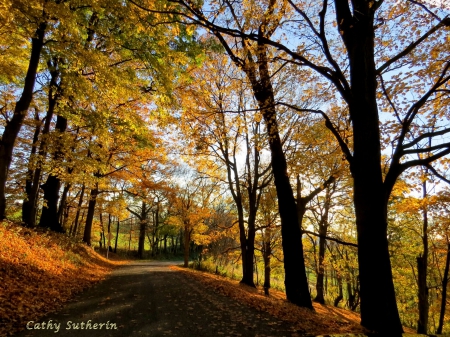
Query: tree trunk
column 267, row 251
column 129, row 239
column 26, row 205
column 49, row 216
column 379, row 310
column 109, row 231
column 90, row 215
column 296, row 283
column 77, row 215
column 248, row 248
column 341, row 293
column 187, row 240
column 117, row 236
column 422, row 270
column 103, row 231
column 81, row 221
column 351, row 302
column 444, row 291
column 63, row 202
column 14, row 125
column 142, row 227
column 29, row 206
column 323, row 230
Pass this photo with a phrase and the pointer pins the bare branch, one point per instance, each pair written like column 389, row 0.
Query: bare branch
column 425, row 135
column 427, row 149
column 437, row 174
column 330, row 239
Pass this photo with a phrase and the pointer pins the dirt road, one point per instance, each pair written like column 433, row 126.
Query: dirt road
column 150, row 299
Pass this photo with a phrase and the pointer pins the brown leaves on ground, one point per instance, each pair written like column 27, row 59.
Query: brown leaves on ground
column 39, row 271
column 326, row 319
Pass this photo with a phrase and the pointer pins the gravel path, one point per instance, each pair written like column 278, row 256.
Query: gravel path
column 149, row 299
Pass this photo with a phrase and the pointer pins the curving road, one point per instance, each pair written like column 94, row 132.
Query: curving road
column 149, row 299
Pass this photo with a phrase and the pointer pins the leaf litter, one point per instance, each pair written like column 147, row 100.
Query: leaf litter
column 40, row 271
column 324, row 320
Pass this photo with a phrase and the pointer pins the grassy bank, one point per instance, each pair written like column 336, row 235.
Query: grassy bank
column 40, row 271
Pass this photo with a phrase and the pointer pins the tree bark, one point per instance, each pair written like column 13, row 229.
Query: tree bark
column 246, row 235
column 444, row 292
column 14, row 125
column 422, row 271
column 26, row 205
column 30, row 203
column 109, row 231
column 90, row 215
column 341, row 293
column 379, row 310
column 77, row 215
column 142, row 227
column 296, row 283
column 49, row 216
column 323, row 230
column 187, row 240
column 63, row 203
column 117, row 236
column 267, row 251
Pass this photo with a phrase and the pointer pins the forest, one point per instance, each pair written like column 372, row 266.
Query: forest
column 297, row 145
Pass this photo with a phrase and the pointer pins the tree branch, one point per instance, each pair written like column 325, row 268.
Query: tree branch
column 329, row 125
column 331, row 239
column 410, row 48
column 426, row 135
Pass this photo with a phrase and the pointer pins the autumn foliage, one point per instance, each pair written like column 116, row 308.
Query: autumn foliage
column 40, row 271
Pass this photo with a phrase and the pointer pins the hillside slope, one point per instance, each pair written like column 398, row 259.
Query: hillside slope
column 40, row 271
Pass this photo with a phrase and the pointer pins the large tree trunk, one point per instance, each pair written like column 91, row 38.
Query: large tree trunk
column 143, row 223
column 248, row 244
column 13, row 126
column 379, row 310
column 49, row 216
column 378, row 304
column 90, row 215
column 267, row 251
column 30, row 203
column 296, row 282
column 444, row 291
